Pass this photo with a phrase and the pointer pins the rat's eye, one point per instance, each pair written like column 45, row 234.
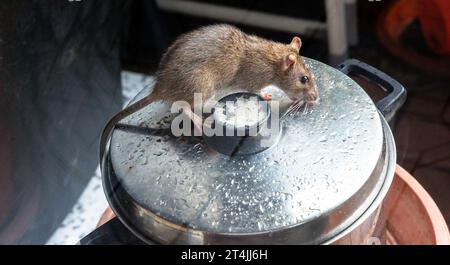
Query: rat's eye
column 304, row 79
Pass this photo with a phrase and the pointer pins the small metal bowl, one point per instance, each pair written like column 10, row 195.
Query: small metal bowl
column 238, row 140
column 242, row 130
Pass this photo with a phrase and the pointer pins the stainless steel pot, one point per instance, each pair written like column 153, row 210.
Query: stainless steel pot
column 325, row 176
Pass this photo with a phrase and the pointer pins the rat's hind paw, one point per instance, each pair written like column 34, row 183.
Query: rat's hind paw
column 209, row 122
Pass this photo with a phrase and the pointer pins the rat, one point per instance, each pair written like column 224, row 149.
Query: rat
column 218, row 56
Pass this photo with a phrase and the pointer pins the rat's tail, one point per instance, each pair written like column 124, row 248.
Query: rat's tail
column 107, row 130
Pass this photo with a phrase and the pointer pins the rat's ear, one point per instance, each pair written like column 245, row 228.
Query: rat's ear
column 288, row 61
column 296, row 43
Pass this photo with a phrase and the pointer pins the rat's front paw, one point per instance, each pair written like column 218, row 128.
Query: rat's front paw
column 266, row 96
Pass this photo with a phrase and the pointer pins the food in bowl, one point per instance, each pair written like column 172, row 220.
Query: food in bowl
column 241, row 112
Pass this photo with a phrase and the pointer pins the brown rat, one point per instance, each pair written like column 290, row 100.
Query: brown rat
column 213, row 57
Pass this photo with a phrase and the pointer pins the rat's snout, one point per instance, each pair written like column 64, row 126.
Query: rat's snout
column 312, row 95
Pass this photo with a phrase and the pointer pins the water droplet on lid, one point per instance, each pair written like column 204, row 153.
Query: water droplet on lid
column 144, row 160
column 260, row 225
column 318, row 160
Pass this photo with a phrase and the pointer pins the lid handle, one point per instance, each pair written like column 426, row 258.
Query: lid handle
column 388, row 105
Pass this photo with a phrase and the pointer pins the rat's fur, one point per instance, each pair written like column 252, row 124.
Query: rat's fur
column 217, row 56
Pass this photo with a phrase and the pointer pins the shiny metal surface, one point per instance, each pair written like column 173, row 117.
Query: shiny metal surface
column 387, row 176
column 327, row 168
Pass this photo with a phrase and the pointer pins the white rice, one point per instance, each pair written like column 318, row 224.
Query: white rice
column 242, row 112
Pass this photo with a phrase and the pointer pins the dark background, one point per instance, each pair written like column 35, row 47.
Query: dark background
column 60, row 66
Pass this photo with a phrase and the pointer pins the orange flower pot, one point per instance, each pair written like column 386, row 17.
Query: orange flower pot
column 410, row 214
column 434, row 17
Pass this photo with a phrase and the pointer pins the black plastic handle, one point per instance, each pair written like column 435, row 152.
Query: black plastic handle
column 390, row 104
column 111, row 233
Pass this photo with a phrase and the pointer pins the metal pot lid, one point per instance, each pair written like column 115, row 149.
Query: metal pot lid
column 322, row 160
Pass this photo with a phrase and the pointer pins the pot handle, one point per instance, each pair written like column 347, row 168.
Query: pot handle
column 112, row 232
column 390, row 104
